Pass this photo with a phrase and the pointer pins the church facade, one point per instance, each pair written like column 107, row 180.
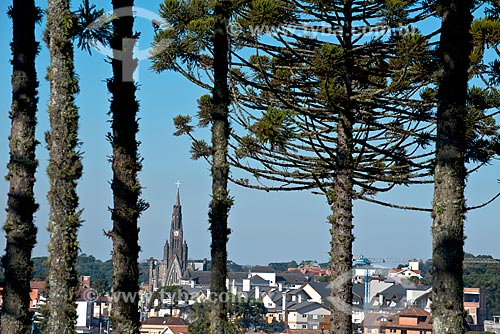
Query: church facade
column 173, row 267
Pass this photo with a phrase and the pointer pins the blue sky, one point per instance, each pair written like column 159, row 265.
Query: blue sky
column 266, row 227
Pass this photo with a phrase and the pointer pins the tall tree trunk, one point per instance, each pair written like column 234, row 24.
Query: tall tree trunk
column 125, row 164
column 341, row 200
column 220, row 203
column 19, row 226
column 64, row 170
column 449, row 178
column 341, row 232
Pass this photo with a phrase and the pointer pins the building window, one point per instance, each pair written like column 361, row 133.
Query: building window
column 304, row 315
column 471, row 298
column 315, row 316
column 304, row 326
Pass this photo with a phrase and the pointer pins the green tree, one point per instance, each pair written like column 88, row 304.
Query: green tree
column 126, row 164
column 450, row 173
column 64, row 169
column 214, row 29
column 220, row 203
column 283, row 266
column 311, row 95
column 325, row 103
column 19, row 226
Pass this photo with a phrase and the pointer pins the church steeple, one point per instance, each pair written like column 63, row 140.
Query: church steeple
column 176, row 224
column 178, row 196
column 175, row 252
column 176, row 244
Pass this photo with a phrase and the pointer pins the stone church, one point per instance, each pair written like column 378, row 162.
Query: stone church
column 173, row 267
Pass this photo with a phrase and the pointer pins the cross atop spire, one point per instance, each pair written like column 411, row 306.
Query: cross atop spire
column 178, row 196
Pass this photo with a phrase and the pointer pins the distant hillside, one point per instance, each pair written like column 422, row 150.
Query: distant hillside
column 87, row 265
column 486, row 276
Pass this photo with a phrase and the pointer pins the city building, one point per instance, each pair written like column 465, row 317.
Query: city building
column 475, row 306
column 173, row 267
column 412, row 320
column 157, row 325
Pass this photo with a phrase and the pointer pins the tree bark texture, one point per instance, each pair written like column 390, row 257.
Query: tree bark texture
column 341, row 200
column 449, row 178
column 126, row 165
column 64, row 170
column 220, row 203
column 19, row 226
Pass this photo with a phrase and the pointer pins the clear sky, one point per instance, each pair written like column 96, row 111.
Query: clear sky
column 267, row 227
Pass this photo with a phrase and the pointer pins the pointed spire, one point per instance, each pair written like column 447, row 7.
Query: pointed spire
column 178, row 196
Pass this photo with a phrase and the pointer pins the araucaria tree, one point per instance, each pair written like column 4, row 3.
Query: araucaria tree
column 321, row 108
column 211, row 18
column 64, row 169
column 339, row 112
column 127, row 206
column 21, row 206
column 450, row 173
column 221, row 202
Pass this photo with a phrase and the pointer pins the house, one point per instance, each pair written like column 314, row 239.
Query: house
column 265, row 272
column 302, row 331
column 412, row 320
column 412, row 270
column 292, row 279
column 176, row 329
column 372, row 323
column 475, row 305
column 84, row 312
column 158, row 325
column 308, row 315
column 84, row 309
column 405, row 273
column 390, row 300
column 317, row 292
column 102, row 307
column 358, row 296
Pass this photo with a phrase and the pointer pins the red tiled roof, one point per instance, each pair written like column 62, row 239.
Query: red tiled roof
column 373, row 320
column 41, row 285
column 410, row 312
column 164, row 321
column 179, row 329
column 415, row 312
column 301, row 331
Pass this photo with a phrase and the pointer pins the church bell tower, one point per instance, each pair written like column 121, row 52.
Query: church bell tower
column 175, row 252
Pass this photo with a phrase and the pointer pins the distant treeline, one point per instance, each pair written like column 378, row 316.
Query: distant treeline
column 87, row 265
